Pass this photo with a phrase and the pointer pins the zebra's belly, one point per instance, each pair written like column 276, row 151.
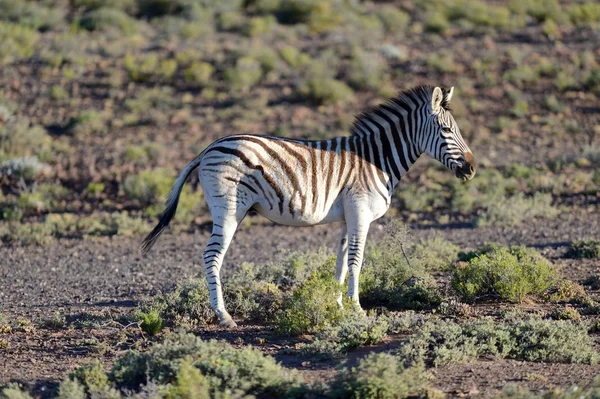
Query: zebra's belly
column 335, row 213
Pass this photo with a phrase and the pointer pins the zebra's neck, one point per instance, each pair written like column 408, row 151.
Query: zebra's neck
column 389, row 136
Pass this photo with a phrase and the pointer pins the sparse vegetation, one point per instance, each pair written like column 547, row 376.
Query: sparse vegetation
column 585, row 249
column 532, row 339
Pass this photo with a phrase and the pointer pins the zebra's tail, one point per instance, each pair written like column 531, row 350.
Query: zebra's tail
column 171, row 204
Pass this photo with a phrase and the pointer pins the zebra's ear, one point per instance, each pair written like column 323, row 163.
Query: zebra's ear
column 449, row 94
column 436, row 100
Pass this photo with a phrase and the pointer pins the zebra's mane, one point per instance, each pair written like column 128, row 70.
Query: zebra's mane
column 419, row 94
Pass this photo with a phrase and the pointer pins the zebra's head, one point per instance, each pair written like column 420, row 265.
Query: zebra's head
column 443, row 140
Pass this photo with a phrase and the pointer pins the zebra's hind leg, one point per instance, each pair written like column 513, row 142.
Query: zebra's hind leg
column 224, row 227
column 341, row 262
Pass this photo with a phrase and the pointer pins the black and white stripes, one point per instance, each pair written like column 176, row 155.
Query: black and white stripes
column 297, row 182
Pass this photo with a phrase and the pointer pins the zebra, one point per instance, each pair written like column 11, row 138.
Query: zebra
column 348, row 179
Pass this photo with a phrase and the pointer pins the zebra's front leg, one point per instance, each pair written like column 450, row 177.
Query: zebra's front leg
column 358, row 228
column 341, row 262
column 222, row 233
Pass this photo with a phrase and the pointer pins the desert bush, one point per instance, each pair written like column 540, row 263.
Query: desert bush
column 25, row 234
column 246, row 73
column 435, row 254
column 14, row 391
column 319, row 16
column 508, row 273
column 150, row 322
column 583, row 14
column 148, row 187
column 354, row 330
column 71, row 389
column 18, row 42
column 319, row 85
column 241, row 371
column 294, row 57
column 141, row 68
column 32, row 15
column 188, row 303
column 566, row 313
column 27, row 168
column 257, row 26
column 18, row 138
column 104, row 18
column 92, row 377
column 516, row 209
column 198, row 72
column 395, row 21
column 366, row 70
column 189, row 384
column 439, row 343
column 565, row 291
column 380, row 376
column 386, row 278
column 87, row 122
column 584, row 249
column 313, row 306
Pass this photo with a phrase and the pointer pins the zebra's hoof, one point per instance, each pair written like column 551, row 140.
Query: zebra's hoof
column 228, row 323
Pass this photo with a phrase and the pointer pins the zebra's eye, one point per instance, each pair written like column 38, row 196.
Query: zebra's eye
column 446, row 129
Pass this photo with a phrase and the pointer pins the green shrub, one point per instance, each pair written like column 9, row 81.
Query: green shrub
column 321, row 89
column 294, row 57
column 92, row 377
column 356, row 329
column 18, row 42
column 313, row 306
column 188, row 303
column 246, row 73
column 14, row 391
column 151, row 323
column 566, row 313
column 257, row 26
column 508, row 273
column 245, row 371
column 319, row 16
column 141, row 69
column 71, row 389
column 386, row 278
column 395, row 21
column 439, row 343
column 584, row 249
column 27, row 168
column 586, row 13
column 231, row 20
column 198, row 72
column 32, row 15
column 25, row 233
column 190, row 383
column 148, row 187
column 108, row 18
column 516, row 209
column 435, row 254
column 379, row 376
column 565, row 291
column 366, row 71
column 436, row 22
column 87, row 122
column 18, row 139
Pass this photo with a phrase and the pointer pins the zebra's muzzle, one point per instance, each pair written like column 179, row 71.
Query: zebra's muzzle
column 468, row 169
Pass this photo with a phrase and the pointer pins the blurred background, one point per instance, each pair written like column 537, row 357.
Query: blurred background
column 103, row 102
